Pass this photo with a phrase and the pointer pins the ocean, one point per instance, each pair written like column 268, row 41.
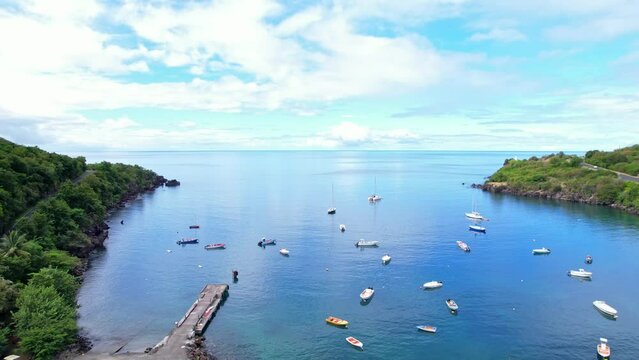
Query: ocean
column 513, row 305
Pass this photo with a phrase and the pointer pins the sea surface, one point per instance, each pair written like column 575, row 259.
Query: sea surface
column 513, row 305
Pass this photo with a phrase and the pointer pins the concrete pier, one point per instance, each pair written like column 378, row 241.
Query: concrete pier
column 177, row 344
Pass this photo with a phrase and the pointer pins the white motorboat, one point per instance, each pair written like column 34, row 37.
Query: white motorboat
column 342, row 227
column 386, row 259
column 358, row 344
column 477, row 228
column 542, row 251
column 452, row 305
column 433, row 285
column 581, row 273
column 367, row 294
column 284, row 252
column 367, row 243
column 603, row 349
column 427, row 328
column 462, row 245
column 605, row 308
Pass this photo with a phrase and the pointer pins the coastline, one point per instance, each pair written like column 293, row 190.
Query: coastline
column 504, row 188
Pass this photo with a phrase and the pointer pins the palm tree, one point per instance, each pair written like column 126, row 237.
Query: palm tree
column 11, row 243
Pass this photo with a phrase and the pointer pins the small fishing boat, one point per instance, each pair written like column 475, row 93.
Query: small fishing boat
column 452, row 305
column 605, row 308
column 358, row 344
column 184, row 241
column 433, row 285
column 477, row 228
column 336, row 321
column 265, row 242
column 581, row 273
column 367, row 294
column 427, row 328
column 367, row 243
column 462, row 245
column 215, row 246
column 342, row 227
column 542, row 251
column 386, row 259
column 588, row 259
column 475, row 215
column 194, row 226
column 284, row 252
column 603, row 349
column 332, row 211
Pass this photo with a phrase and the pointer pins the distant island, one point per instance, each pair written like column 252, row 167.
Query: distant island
column 606, row 178
column 52, row 214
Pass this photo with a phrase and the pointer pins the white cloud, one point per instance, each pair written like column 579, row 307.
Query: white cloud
column 503, row 35
column 349, row 134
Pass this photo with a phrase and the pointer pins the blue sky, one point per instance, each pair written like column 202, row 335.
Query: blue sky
column 374, row 74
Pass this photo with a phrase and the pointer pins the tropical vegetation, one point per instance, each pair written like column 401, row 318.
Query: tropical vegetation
column 51, row 206
column 625, row 160
column 564, row 176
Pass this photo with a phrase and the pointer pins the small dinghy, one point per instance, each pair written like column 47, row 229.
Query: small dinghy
column 588, row 259
column 452, row 305
column 386, row 259
column 605, row 308
column 367, row 243
column 215, row 246
column 428, row 328
column 542, row 251
column 367, row 294
column 342, row 227
column 358, row 344
column 433, row 285
column 477, row 228
column 284, row 252
column 603, row 349
column 462, row 245
column 184, row 241
column 265, row 242
column 581, row 273
column 336, row 321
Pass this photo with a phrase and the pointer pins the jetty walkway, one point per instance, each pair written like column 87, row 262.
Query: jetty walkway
column 181, row 340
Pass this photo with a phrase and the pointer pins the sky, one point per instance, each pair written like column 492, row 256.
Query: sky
column 541, row 75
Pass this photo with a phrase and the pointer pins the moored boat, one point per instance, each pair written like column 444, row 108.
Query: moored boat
column 336, row 321
column 475, row 215
column 433, row 285
column 284, row 252
column 603, row 349
column 215, row 246
column 542, row 251
column 428, row 328
column 452, row 305
column 386, row 259
column 342, row 227
column 265, row 242
column 367, row 294
column 588, row 259
column 331, row 211
column 374, row 198
column 194, row 226
column 581, row 273
column 605, row 308
column 477, row 228
column 367, row 243
column 358, row 344
column 184, row 241
column 462, row 245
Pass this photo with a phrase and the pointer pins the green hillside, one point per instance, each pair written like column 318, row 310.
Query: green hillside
column 625, row 160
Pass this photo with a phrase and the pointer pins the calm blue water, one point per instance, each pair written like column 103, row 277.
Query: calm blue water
column 512, row 305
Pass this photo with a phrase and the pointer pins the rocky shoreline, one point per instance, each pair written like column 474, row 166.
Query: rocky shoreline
column 504, row 188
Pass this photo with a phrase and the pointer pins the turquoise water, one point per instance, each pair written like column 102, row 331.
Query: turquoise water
column 513, row 305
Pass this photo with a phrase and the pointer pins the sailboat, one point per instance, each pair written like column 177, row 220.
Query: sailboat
column 475, row 215
column 374, row 197
column 332, row 209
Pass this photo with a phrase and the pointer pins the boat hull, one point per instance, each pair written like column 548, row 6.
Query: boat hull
column 356, row 343
column 477, row 229
column 215, row 247
column 431, row 285
column 542, row 251
column 336, row 322
column 428, row 329
column 605, row 309
column 367, row 244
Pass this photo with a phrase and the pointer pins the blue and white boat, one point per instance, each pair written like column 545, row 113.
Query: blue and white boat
column 477, row 228
column 265, row 242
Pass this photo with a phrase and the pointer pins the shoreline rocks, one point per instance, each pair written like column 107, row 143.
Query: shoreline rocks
column 504, row 188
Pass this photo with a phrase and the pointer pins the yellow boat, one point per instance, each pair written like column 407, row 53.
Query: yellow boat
column 336, row 321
